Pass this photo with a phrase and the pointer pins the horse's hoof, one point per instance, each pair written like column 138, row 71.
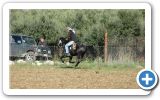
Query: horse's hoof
column 71, row 62
column 76, row 67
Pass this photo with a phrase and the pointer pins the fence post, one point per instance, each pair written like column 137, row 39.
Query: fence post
column 105, row 47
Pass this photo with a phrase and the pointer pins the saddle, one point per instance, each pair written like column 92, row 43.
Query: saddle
column 74, row 46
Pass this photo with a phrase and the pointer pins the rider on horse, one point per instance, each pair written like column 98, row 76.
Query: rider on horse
column 71, row 39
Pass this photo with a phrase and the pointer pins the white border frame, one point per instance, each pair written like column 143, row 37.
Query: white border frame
column 9, row 6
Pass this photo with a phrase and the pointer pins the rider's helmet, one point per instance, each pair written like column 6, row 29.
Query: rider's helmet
column 69, row 29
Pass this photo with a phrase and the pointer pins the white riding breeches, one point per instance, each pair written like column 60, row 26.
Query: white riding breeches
column 67, row 46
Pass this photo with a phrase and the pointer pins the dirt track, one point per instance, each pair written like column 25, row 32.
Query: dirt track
column 51, row 78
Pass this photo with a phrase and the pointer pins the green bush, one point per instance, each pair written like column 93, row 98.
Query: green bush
column 90, row 25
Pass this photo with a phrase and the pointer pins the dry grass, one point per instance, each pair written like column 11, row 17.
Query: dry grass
column 51, row 77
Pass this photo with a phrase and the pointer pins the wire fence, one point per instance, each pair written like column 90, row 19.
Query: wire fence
column 119, row 50
column 115, row 53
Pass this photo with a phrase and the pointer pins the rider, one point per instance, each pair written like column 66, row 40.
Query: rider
column 71, row 39
column 42, row 41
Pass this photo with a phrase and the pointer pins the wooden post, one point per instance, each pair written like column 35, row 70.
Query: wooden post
column 105, row 47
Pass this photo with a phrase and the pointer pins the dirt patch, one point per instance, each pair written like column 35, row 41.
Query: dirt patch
column 70, row 78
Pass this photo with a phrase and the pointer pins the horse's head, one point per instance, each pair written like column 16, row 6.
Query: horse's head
column 62, row 41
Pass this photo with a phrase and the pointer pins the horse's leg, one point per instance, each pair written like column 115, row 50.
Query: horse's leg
column 62, row 58
column 70, row 59
column 78, row 60
column 82, row 55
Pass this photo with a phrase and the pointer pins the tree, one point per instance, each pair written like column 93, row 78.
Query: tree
column 90, row 25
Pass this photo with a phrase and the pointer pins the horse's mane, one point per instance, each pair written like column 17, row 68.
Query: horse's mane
column 63, row 39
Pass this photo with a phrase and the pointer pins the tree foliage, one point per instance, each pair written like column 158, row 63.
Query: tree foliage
column 90, row 25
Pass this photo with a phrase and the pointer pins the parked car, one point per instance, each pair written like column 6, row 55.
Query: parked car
column 22, row 46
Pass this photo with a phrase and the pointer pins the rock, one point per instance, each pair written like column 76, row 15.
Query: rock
column 67, row 63
column 58, row 63
column 33, row 64
column 49, row 62
column 38, row 63
column 21, row 61
column 11, row 63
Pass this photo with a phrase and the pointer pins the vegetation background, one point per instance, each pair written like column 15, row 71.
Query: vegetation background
column 90, row 25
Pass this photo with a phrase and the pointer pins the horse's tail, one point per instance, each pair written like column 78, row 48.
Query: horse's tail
column 91, row 52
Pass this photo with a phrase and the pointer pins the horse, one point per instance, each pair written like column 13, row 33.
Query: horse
column 74, row 50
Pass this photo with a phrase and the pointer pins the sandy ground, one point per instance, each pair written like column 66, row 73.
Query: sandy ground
column 70, row 78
